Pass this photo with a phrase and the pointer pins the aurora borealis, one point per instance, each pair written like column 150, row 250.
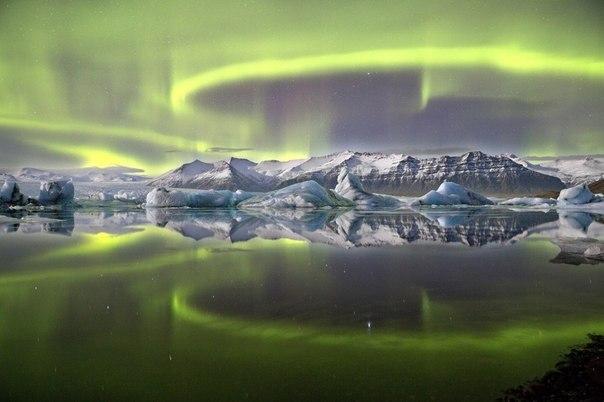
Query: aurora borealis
column 153, row 84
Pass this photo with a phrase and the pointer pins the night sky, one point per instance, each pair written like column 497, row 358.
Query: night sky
column 152, row 84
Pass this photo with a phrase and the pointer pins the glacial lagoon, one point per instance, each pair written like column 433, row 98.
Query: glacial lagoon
column 443, row 304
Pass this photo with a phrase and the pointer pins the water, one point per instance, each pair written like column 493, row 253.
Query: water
column 112, row 303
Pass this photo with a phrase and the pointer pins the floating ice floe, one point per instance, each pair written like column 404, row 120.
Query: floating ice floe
column 307, row 194
column 529, row 202
column 105, row 196
column 350, row 187
column 130, row 197
column 449, row 193
column 59, row 192
column 578, row 195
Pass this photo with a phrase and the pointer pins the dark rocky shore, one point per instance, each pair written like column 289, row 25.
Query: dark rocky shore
column 579, row 376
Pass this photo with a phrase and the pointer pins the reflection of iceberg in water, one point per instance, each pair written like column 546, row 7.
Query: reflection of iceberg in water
column 8, row 224
column 109, row 221
column 353, row 228
column 580, row 236
column 237, row 225
column 58, row 222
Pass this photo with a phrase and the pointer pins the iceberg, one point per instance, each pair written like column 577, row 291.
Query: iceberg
column 217, row 198
column 307, row 194
column 578, row 195
column 59, row 192
column 349, row 186
column 162, row 197
column 450, row 193
column 433, row 197
column 11, row 194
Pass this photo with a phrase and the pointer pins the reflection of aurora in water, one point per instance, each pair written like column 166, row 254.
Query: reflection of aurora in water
column 511, row 339
column 129, row 297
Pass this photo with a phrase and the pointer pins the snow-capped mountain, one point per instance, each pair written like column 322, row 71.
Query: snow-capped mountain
column 405, row 175
column 118, row 174
column 233, row 174
column 182, row 175
column 275, row 168
column 395, row 174
column 571, row 171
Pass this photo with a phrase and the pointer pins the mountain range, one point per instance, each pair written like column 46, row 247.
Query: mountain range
column 572, row 171
column 232, row 174
column 384, row 173
column 395, row 174
column 118, row 174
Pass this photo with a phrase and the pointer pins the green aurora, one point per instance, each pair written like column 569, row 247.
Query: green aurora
column 152, row 84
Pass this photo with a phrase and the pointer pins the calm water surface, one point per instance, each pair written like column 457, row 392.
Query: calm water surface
column 107, row 304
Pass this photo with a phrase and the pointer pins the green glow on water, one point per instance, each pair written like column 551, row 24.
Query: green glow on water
column 139, row 304
column 509, row 339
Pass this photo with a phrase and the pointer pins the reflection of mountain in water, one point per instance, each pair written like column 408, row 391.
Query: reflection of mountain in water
column 578, row 234
column 355, row 229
